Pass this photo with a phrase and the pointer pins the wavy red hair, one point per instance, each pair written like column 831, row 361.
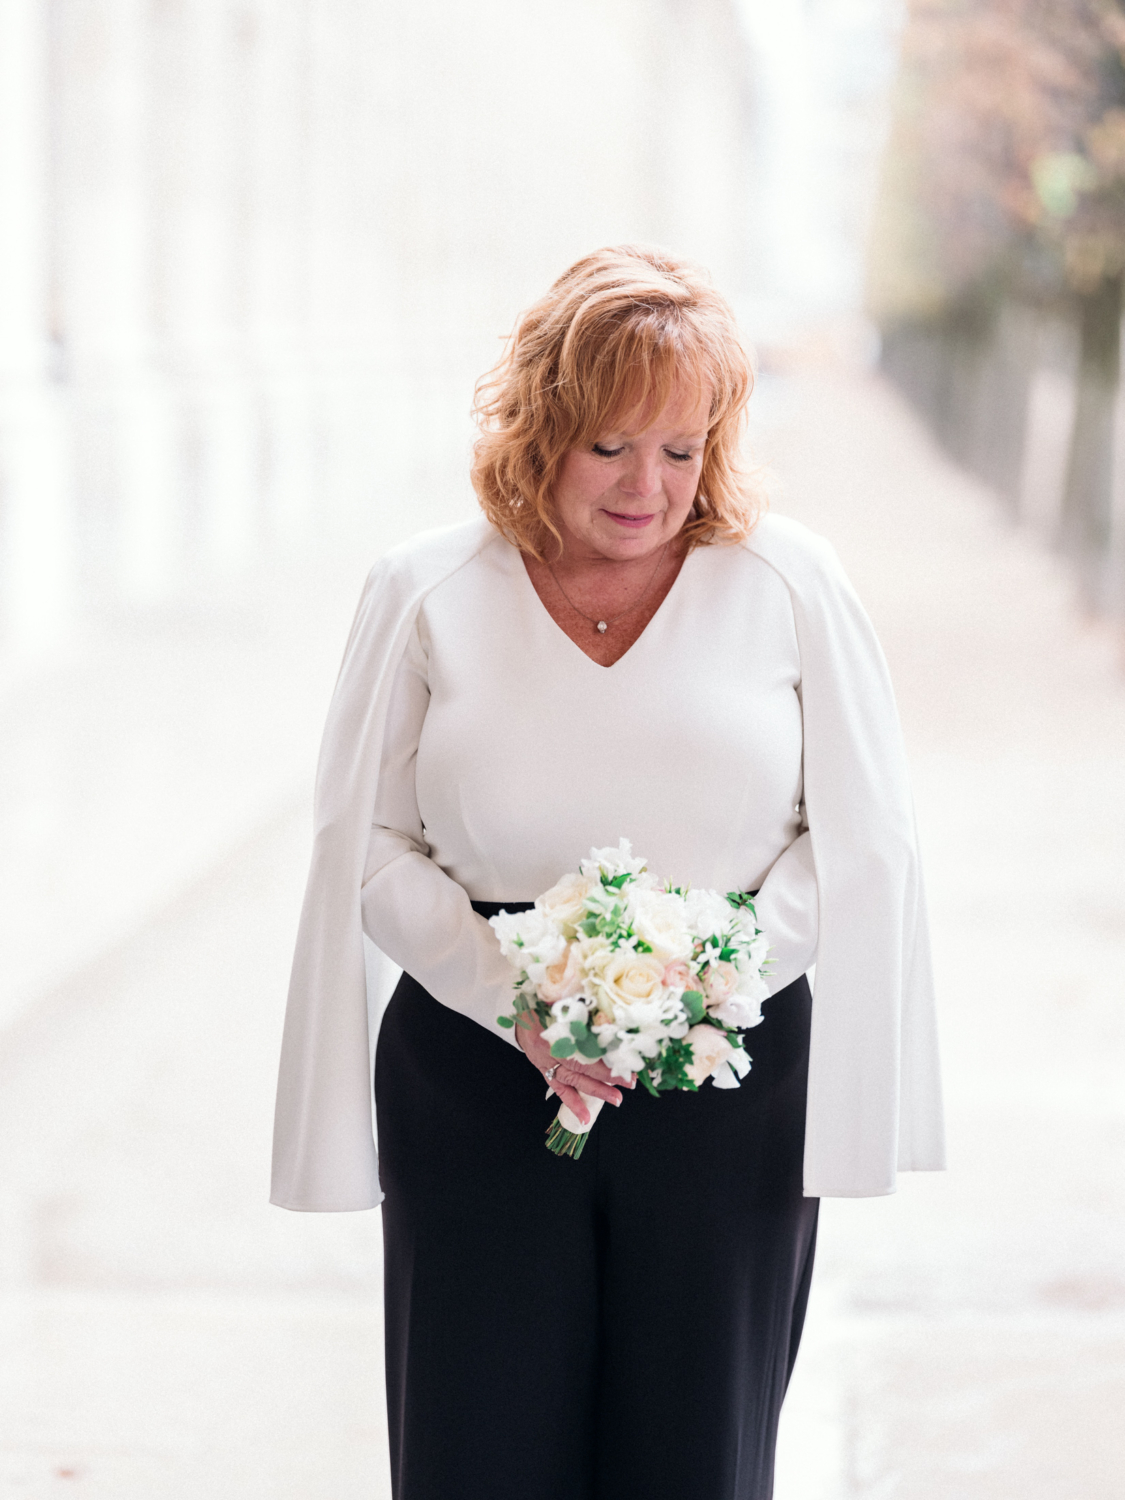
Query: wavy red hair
column 608, row 343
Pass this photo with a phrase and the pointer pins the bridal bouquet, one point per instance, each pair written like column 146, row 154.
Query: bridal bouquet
column 655, row 979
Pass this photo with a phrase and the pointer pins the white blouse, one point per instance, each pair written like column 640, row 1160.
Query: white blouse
column 748, row 738
column 509, row 753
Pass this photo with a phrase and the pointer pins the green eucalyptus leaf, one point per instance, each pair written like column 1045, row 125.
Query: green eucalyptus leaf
column 693, row 1004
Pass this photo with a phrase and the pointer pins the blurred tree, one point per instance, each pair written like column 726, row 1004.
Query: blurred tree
column 1004, row 183
column 1007, row 115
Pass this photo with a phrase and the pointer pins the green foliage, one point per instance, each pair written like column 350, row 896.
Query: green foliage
column 651, row 1081
column 609, row 922
column 672, row 1072
column 743, row 901
column 693, row 1003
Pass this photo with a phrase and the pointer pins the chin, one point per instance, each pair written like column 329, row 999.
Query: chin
column 628, row 547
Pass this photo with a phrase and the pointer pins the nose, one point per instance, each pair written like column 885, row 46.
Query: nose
column 641, row 479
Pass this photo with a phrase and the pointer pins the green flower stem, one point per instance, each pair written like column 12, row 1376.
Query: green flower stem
column 565, row 1142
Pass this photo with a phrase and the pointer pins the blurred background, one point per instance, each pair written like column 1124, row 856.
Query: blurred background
column 253, row 255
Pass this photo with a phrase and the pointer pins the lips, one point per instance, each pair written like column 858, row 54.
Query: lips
column 634, row 523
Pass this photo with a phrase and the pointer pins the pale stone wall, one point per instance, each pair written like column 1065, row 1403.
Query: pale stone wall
column 253, row 254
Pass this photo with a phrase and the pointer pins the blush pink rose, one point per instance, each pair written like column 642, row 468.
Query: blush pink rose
column 720, row 983
column 563, row 978
column 677, row 976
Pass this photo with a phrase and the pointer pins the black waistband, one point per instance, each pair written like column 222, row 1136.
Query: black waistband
column 494, row 908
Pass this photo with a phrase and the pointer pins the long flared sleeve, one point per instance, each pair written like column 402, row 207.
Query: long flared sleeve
column 412, row 911
column 874, row 1096
column 324, row 1157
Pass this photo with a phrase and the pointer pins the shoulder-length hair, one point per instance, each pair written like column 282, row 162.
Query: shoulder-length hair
column 609, row 341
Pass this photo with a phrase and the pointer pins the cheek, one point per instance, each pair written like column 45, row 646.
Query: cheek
column 682, row 484
column 579, row 484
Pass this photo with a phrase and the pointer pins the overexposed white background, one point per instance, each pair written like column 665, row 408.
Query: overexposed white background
column 252, row 257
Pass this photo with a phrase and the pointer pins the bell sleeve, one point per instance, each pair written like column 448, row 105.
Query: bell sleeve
column 413, row 912
column 324, row 1158
column 874, row 1096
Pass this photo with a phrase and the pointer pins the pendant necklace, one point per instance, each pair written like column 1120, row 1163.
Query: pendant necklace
column 603, row 625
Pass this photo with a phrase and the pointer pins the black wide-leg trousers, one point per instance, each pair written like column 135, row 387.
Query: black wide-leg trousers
column 621, row 1325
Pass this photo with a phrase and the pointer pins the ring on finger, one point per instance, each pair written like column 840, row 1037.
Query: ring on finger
column 549, row 1073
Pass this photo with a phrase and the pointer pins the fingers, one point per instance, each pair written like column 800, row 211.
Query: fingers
column 539, row 1053
column 600, row 1070
column 578, row 1078
column 572, row 1099
column 598, row 1090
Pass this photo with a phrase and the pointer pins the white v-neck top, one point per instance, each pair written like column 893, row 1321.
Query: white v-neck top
column 509, row 753
column 472, row 750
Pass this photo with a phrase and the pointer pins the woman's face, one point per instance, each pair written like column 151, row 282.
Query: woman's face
column 630, row 492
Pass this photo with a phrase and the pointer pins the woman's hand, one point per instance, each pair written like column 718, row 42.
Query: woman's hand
column 592, row 1078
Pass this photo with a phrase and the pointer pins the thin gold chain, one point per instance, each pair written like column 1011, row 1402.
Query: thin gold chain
column 607, row 620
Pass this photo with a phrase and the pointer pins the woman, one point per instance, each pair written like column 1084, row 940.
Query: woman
column 620, row 648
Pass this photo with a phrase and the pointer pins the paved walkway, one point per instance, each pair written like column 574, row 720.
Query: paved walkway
column 164, row 1333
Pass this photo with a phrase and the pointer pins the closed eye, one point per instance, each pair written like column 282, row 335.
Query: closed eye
column 603, row 452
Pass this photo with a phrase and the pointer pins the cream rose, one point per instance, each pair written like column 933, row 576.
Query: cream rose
column 621, row 978
column 565, row 903
column 709, row 1048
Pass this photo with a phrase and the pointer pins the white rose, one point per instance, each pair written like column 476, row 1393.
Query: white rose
column 538, row 935
column 565, row 902
column 506, row 925
column 622, row 979
column 707, row 913
column 709, row 1050
column 751, row 985
column 530, row 941
column 527, row 937
column 658, row 919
